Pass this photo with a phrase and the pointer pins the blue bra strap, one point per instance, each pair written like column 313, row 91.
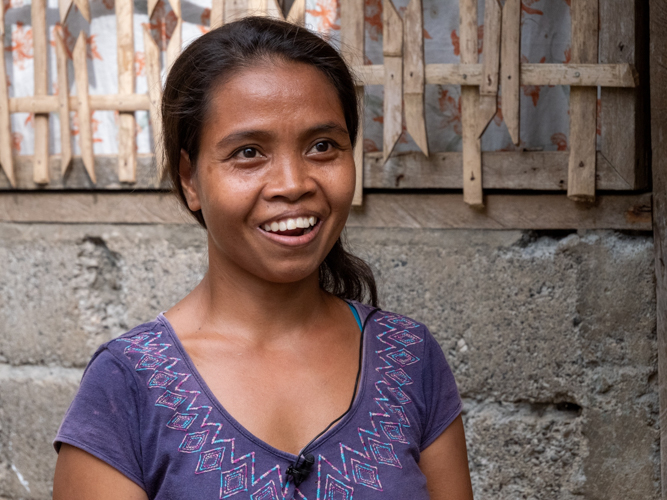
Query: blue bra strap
column 356, row 315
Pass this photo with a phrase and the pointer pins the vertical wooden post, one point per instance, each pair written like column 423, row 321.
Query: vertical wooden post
column 127, row 154
column 84, row 112
column 488, row 91
column 583, row 104
column 658, row 65
column 64, row 7
column 510, row 64
column 392, row 48
column 217, row 13
column 352, row 45
column 41, row 121
column 413, row 74
column 63, row 104
column 235, row 9
column 472, row 145
column 152, row 54
column 84, row 8
column 176, row 41
column 297, row 13
column 6, row 160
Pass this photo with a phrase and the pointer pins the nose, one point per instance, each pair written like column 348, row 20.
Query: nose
column 290, row 178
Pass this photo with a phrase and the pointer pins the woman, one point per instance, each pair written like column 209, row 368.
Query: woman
column 270, row 380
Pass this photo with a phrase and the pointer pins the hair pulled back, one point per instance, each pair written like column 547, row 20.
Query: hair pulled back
column 217, row 56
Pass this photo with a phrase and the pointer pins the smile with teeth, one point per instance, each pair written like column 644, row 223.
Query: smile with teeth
column 293, row 226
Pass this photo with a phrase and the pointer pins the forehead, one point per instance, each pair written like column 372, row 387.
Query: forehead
column 274, row 91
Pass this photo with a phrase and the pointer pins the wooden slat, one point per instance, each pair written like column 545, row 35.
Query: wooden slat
column 153, row 3
column 40, row 64
column 658, row 75
column 472, row 147
column 127, row 155
column 64, row 7
column 488, row 90
column 352, row 47
column 623, row 39
column 63, row 103
column 84, row 113
column 583, row 104
column 51, row 103
column 527, row 170
column 154, row 83
column 84, row 8
column 392, row 48
column 520, row 170
column 622, row 212
column 235, row 9
column 217, row 13
column 413, row 74
column 176, row 40
column 576, row 75
column 510, row 69
column 297, row 12
column 6, row 160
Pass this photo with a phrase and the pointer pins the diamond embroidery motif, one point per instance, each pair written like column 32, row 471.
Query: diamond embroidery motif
column 335, row 490
column 181, row 421
column 400, row 395
column 170, row 400
column 404, row 322
column 400, row 415
column 393, row 431
column 405, row 338
column 366, row 474
column 384, row 453
column 193, row 442
column 403, row 357
column 210, row 460
column 161, row 379
column 233, row 481
column 268, row 492
column 150, row 362
column 399, row 376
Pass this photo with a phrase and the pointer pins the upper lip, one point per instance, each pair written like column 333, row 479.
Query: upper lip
column 292, row 214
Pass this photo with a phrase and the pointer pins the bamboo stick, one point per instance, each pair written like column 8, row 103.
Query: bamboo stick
column 510, row 67
column 127, row 155
column 85, row 126
column 488, row 90
column 41, row 121
column 217, row 13
column 152, row 53
column 352, row 46
column 63, row 104
column 297, row 13
column 413, row 74
column 51, row 103
column 583, row 104
column 176, row 41
column 6, row 160
column 392, row 48
column 472, row 148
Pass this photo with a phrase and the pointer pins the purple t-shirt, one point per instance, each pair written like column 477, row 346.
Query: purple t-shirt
column 144, row 409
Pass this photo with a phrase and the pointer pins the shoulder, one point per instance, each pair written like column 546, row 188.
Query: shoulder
column 399, row 329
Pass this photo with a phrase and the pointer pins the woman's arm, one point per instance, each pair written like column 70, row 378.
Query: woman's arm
column 81, row 476
column 445, row 465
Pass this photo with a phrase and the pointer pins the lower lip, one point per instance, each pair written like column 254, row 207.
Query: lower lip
column 293, row 241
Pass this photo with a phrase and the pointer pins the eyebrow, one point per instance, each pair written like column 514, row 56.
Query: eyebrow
column 243, row 135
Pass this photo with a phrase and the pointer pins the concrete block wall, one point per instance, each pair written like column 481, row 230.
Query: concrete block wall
column 551, row 337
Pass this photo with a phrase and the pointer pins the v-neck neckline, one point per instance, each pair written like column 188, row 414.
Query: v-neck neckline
column 363, row 379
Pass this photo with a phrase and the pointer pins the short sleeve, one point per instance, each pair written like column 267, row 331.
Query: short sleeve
column 441, row 397
column 103, row 419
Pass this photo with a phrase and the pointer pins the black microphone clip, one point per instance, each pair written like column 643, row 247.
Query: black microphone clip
column 300, row 472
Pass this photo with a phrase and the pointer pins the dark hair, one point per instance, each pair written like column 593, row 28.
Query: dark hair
column 218, row 55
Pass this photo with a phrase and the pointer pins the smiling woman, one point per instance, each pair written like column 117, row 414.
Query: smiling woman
column 272, row 366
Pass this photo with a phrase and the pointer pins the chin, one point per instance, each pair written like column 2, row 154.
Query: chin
column 290, row 274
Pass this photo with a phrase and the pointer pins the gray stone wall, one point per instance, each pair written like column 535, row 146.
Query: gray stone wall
column 551, row 338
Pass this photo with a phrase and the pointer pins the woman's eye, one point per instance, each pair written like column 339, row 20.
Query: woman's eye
column 248, row 153
column 322, row 146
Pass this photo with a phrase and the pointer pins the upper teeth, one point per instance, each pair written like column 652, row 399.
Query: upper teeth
column 287, row 224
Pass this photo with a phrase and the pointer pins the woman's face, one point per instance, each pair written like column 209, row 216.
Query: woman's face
column 275, row 174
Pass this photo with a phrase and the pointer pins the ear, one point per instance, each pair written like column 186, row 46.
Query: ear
column 186, row 174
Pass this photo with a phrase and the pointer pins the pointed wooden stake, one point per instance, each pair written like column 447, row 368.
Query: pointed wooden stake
column 176, row 40
column 297, row 13
column 472, row 147
column 152, row 53
column 392, row 48
column 84, row 8
column 83, row 102
column 510, row 67
column 488, row 91
column 63, row 104
column 153, row 3
column 583, row 104
column 413, row 74
column 64, row 7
